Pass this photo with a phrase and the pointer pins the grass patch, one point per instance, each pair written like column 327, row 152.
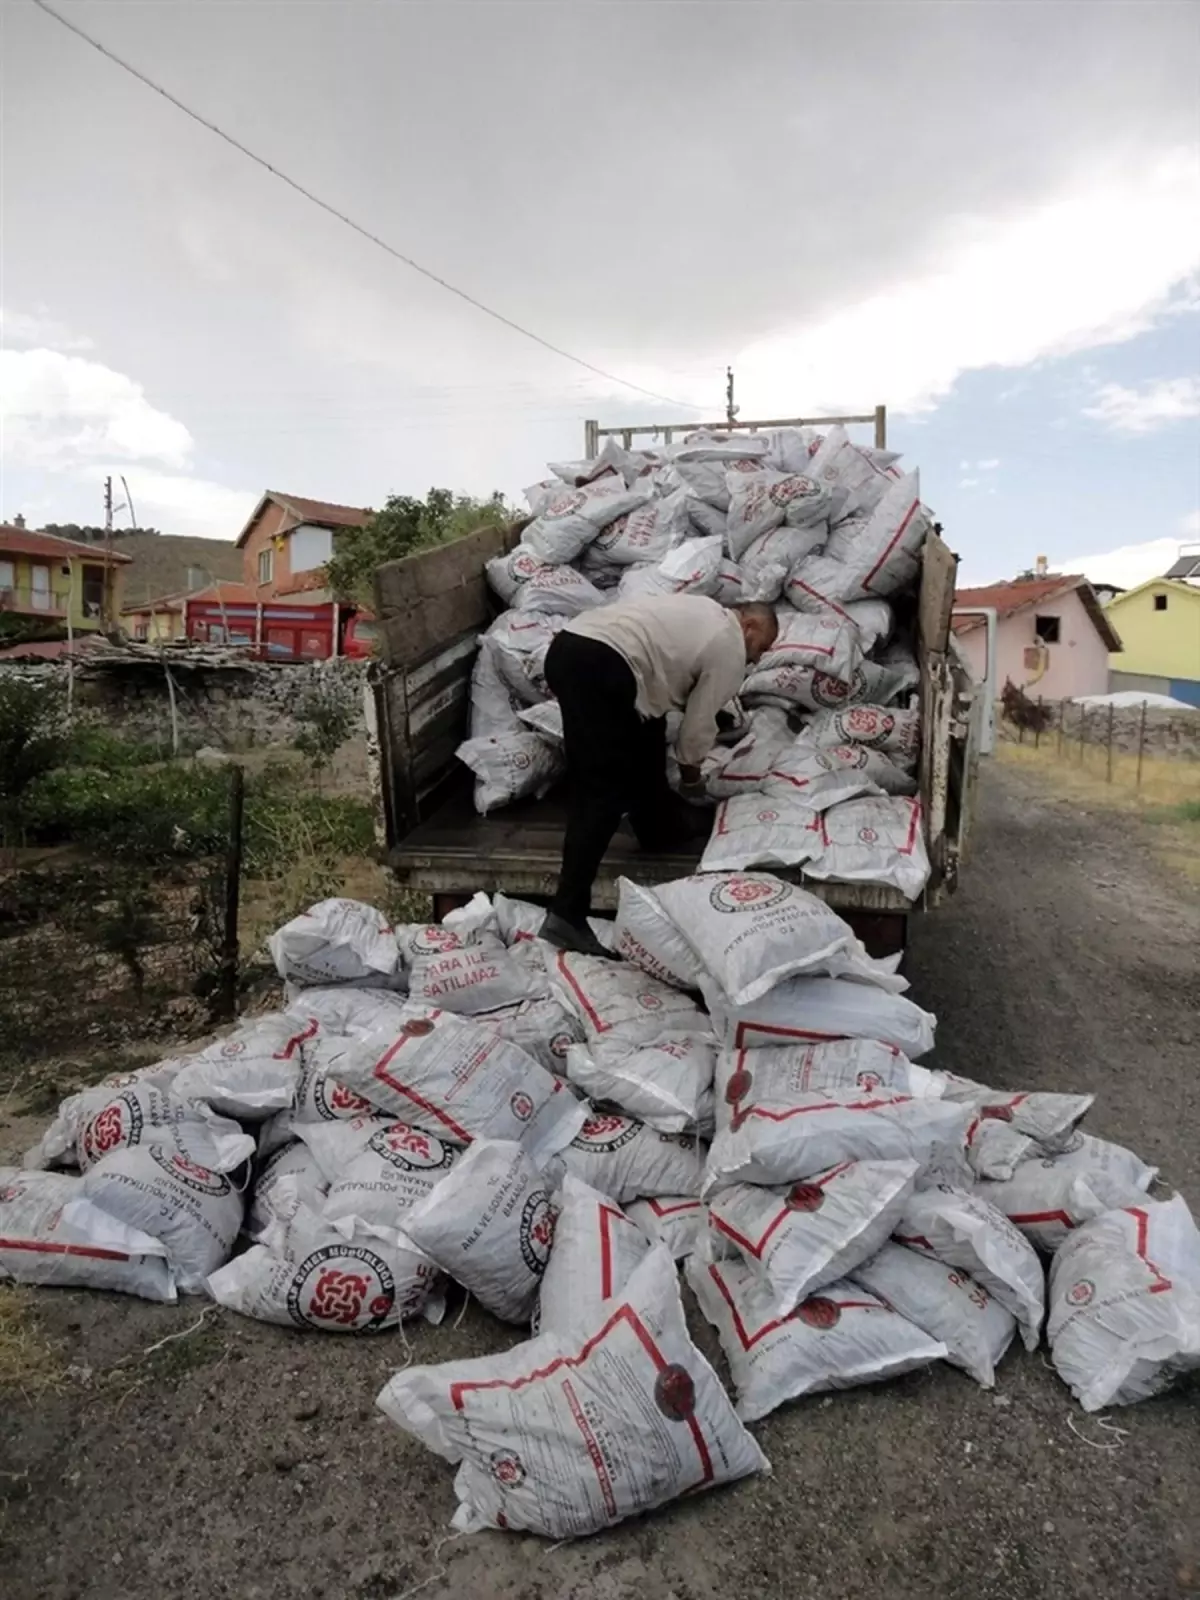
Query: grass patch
column 30, row 1362
column 1189, row 811
column 1168, row 795
column 39, row 1087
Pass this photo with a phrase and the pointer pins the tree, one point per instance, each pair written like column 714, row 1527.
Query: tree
column 403, row 525
column 32, row 742
column 326, row 717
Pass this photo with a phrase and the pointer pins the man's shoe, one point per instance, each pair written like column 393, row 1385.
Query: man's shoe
column 564, row 935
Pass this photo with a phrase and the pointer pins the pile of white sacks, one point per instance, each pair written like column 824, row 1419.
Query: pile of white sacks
column 818, row 765
column 736, row 1091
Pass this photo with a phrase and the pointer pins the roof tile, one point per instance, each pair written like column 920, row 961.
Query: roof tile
column 25, row 542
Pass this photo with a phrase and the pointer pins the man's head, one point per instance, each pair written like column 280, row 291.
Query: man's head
column 759, row 627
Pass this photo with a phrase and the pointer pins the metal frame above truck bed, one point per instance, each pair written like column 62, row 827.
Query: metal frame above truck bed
column 432, row 608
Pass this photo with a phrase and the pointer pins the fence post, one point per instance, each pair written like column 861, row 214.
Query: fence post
column 1141, row 743
column 1062, row 720
column 1082, row 728
column 1037, row 727
column 1111, row 710
column 228, row 976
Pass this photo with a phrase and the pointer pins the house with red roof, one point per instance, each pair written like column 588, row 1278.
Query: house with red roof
column 287, row 542
column 282, row 608
column 1053, row 638
column 45, row 579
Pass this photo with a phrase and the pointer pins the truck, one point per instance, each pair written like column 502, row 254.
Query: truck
column 432, row 608
column 276, row 630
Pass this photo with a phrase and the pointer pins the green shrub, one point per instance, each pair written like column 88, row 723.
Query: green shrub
column 181, row 809
column 88, row 744
column 32, row 741
column 135, row 813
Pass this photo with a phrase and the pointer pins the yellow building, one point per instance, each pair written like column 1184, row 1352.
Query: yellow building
column 1159, row 624
column 56, row 581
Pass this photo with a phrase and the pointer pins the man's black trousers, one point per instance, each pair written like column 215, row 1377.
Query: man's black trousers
column 616, row 764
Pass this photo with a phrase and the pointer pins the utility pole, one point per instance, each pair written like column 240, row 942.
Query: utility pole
column 731, row 410
column 105, row 618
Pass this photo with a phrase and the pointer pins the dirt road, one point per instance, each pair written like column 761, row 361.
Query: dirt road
column 243, row 1461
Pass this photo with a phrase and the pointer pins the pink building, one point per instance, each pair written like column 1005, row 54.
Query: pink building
column 1052, row 637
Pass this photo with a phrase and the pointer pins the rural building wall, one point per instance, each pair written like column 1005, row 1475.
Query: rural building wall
column 1078, row 662
column 1161, row 643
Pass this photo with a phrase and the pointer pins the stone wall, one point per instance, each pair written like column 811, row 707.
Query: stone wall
column 1173, row 734
column 233, row 710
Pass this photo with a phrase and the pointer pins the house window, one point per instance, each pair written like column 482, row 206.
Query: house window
column 8, row 575
column 1046, row 629
column 142, row 630
column 93, row 591
column 1160, row 602
column 266, row 565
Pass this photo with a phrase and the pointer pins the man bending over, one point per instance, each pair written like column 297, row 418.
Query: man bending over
column 616, row 671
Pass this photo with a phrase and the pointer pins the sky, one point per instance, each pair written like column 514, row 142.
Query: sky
column 985, row 216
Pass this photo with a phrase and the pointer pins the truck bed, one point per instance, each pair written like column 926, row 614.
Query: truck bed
column 433, row 606
column 517, row 850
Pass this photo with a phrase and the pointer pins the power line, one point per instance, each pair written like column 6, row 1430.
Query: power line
column 497, row 316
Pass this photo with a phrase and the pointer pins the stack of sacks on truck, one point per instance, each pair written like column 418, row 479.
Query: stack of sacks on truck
column 737, row 1090
column 819, row 758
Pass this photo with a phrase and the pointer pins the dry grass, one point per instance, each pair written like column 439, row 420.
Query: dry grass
column 1168, row 797
column 30, row 1362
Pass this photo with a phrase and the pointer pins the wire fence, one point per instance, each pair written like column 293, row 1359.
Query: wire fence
column 1139, row 746
column 99, row 948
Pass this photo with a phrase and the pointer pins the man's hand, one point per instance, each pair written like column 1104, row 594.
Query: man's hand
column 691, row 784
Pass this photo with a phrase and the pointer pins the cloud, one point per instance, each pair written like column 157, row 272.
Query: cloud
column 1154, row 405
column 990, row 465
column 968, row 483
column 180, row 504
column 76, row 420
column 1190, row 526
column 22, row 327
column 59, row 409
column 1095, row 266
column 1126, row 566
